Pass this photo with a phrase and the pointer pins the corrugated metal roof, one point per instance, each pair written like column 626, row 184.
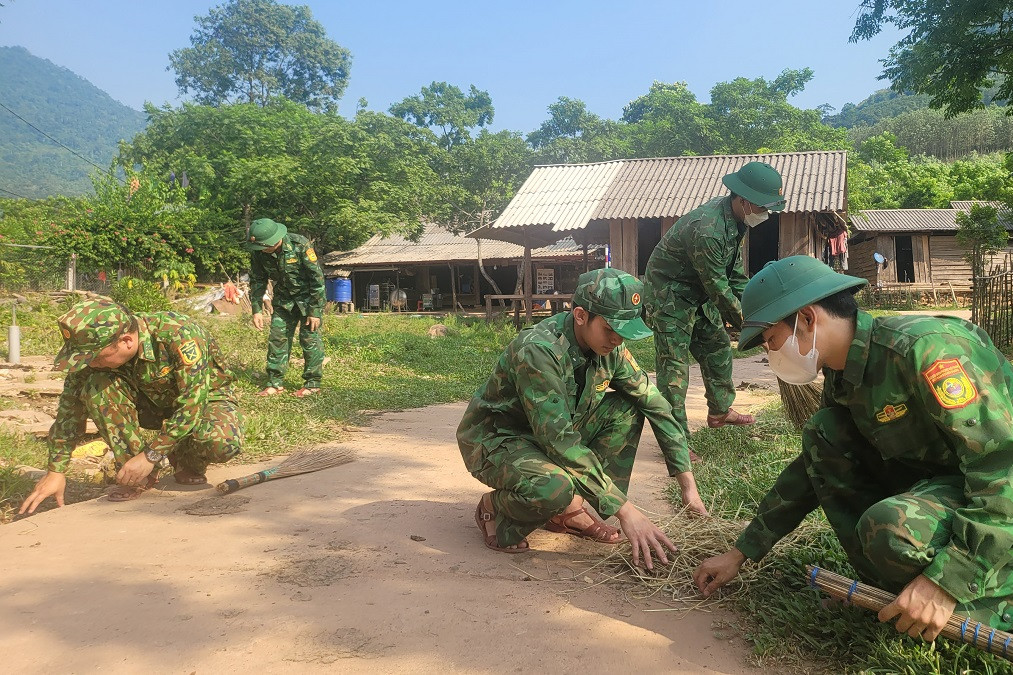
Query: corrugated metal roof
column 563, row 197
column 437, row 245
column 909, row 220
column 674, row 186
column 966, row 204
column 567, row 197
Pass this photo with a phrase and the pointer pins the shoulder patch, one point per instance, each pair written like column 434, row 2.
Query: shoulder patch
column 890, row 413
column 602, row 386
column 190, row 352
column 311, row 254
column 633, row 361
column 950, row 384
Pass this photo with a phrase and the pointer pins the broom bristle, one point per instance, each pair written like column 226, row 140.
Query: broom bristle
column 305, row 461
column 801, row 401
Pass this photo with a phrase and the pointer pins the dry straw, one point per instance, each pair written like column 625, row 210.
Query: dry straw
column 801, row 401
column 964, row 629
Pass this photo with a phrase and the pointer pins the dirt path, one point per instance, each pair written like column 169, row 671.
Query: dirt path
column 375, row 566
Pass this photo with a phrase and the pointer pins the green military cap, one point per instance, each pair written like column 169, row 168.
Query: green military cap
column 265, row 233
column 615, row 296
column 88, row 328
column 782, row 288
column 758, row 183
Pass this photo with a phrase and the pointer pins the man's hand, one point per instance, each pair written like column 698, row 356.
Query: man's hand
column 922, row 609
column 258, row 321
column 643, row 535
column 713, row 573
column 52, row 483
column 135, row 471
column 694, row 504
column 313, row 322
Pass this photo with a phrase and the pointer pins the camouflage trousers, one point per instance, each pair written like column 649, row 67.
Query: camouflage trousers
column 279, row 348
column 120, row 411
column 530, row 488
column 701, row 332
column 889, row 520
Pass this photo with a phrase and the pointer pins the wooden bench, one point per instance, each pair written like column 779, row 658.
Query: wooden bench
column 553, row 301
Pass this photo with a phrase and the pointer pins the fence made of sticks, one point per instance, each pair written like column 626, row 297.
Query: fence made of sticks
column 992, row 304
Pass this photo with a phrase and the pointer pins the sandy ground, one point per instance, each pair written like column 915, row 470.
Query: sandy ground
column 374, row 566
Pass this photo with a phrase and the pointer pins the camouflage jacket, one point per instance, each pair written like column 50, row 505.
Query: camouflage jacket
column 298, row 279
column 178, row 368
column 933, row 396
column 698, row 260
column 533, row 394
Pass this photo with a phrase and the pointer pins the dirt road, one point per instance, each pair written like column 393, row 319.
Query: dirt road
column 375, row 566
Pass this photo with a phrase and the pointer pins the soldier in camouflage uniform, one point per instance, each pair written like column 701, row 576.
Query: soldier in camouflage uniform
column 131, row 371
column 909, row 456
column 290, row 262
column 547, row 434
column 693, row 285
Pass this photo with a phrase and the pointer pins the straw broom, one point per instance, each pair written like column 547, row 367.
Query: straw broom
column 304, row 461
column 801, row 401
column 961, row 628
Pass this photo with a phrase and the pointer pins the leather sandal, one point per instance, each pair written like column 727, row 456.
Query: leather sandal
column 598, row 531
column 732, row 418
column 305, row 391
column 485, row 515
column 126, row 493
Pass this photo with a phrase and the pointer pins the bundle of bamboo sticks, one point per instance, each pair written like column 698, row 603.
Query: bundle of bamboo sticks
column 962, row 628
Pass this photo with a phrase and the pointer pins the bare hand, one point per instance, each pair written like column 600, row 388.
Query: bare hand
column 52, row 483
column 922, row 609
column 313, row 322
column 258, row 321
column 644, row 536
column 713, row 573
column 694, row 504
column 135, row 471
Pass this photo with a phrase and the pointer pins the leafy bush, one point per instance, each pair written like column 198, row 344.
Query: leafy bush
column 139, row 295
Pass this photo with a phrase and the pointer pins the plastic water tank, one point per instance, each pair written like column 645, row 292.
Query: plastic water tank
column 343, row 290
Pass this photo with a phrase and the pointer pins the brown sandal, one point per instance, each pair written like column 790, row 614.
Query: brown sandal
column 270, row 391
column 732, row 418
column 305, row 391
column 484, row 515
column 126, row 493
column 598, row 531
column 188, row 477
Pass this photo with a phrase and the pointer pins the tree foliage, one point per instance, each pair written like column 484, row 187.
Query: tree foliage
column 952, row 51
column 982, row 234
column 929, row 132
column 444, row 107
column 255, row 50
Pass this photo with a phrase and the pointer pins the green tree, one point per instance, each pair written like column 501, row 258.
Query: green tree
column 254, row 50
column 981, row 234
column 573, row 134
column 755, row 116
column 444, row 107
column 488, row 170
column 668, row 121
column 952, row 51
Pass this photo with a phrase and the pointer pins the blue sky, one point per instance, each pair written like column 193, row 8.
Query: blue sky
column 526, row 54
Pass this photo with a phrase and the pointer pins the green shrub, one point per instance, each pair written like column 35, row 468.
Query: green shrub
column 139, row 295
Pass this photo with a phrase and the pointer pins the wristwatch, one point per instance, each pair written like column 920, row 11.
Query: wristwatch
column 153, row 456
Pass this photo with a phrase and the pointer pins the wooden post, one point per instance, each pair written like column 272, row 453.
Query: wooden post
column 72, row 272
column 453, row 287
column 527, row 284
column 586, row 268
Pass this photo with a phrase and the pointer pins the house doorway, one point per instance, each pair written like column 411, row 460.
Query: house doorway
column 764, row 243
column 648, row 236
column 904, row 259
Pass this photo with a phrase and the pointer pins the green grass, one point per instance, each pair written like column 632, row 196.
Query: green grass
column 783, row 619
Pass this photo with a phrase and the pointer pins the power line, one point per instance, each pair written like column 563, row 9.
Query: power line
column 70, row 150
column 14, row 194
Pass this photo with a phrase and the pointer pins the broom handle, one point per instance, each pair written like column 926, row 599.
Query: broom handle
column 233, row 484
column 960, row 628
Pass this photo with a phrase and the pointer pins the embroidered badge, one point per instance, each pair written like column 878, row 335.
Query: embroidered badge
column 165, row 371
column 291, row 260
column 312, row 255
column 190, row 352
column 891, row 412
column 602, row 387
column 950, row 384
column 635, row 299
column 633, row 361
column 66, row 333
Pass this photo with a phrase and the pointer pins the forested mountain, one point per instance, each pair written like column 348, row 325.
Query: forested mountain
column 880, row 105
column 68, row 108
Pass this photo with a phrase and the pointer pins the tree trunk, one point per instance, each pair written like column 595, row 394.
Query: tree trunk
column 481, row 267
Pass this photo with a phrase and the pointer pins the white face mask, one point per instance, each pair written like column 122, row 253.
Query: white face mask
column 754, row 219
column 788, row 362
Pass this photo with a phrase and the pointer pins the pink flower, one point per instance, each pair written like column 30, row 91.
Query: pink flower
column 189, row 250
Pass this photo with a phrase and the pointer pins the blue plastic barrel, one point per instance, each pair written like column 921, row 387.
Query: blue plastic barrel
column 331, row 290
column 343, row 290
